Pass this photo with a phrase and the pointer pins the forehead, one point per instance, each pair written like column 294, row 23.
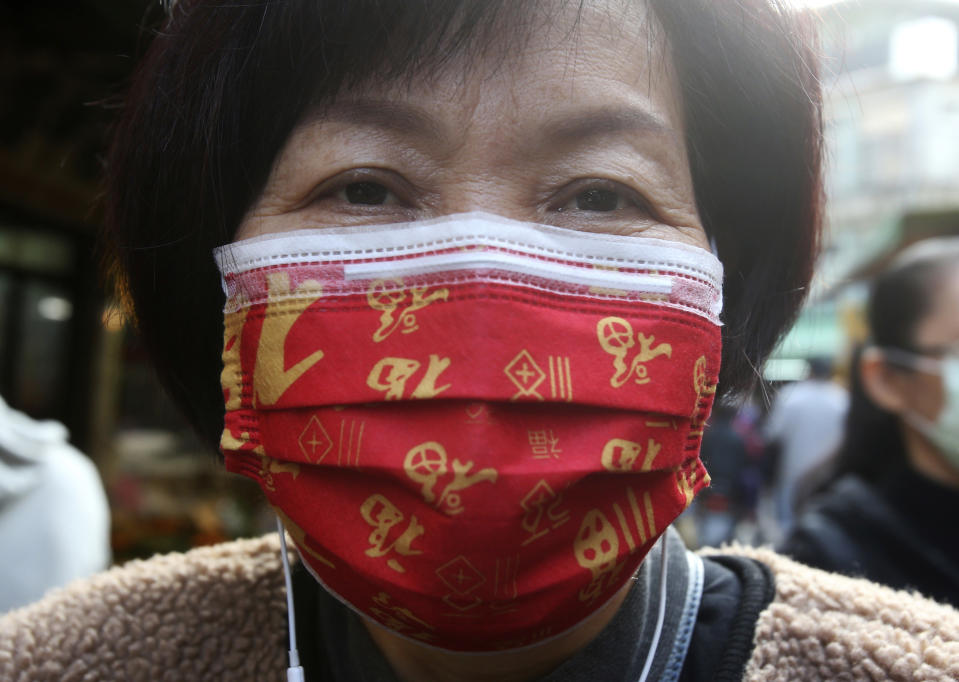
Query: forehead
column 558, row 52
column 940, row 327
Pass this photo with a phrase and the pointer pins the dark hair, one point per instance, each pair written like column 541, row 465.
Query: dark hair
column 223, row 84
column 899, row 299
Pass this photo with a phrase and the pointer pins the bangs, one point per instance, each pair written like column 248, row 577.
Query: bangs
column 258, row 66
column 398, row 40
column 313, row 49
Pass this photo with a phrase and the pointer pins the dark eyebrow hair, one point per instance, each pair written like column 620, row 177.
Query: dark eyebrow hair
column 381, row 113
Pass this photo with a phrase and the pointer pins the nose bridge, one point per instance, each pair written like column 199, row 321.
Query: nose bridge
column 485, row 173
column 485, row 190
column 483, row 170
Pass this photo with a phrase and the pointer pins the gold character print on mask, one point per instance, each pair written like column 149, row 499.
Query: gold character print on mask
column 314, row 441
column 400, row 619
column 672, row 424
column 390, row 375
column 228, row 441
column 703, row 390
column 477, row 413
column 270, row 466
column 387, row 295
column 686, row 484
column 505, row 584
column 271, row 378
column 428, row 462
column 526, row 375
column 560, row 378
column 616, row 338
column 542, row 511
column 383, row 515
column 597, row 544
column 597, row 549
column 462, row 578
column 231, row 378
column 543, row 443
column 620, row 454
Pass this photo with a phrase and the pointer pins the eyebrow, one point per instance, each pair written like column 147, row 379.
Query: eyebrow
column 407, row 119
column 604, row 121
column 383, row 114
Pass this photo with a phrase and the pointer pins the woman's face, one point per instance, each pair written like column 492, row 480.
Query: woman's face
column 581, row 129
column 914, row 391
column 938, row 332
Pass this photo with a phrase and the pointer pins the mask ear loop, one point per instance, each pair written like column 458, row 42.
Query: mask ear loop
column 295, row 672
column 661, row 616
column 910, row 360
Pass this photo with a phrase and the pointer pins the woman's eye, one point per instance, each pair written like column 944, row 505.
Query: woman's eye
column 363, row 194
column 366, row 193
column 602, row 196
column 599, row 200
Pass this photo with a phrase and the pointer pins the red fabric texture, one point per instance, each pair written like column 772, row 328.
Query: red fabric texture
column 475, row 462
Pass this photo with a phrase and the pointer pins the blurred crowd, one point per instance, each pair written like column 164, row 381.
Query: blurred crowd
column 767, row 455
column 858, row 476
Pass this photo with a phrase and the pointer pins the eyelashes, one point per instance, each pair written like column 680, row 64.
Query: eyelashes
column 597, row 195
column 379, row 191
column 364, row 187
column 366, row 193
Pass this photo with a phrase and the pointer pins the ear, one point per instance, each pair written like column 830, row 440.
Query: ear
column 882, row 383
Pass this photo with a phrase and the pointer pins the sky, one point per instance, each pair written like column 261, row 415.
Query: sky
column 826, row 3
column 812, row 3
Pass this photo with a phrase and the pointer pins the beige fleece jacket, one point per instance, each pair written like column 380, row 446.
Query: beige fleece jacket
column 218, row 613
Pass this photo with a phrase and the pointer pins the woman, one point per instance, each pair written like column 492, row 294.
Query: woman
column 471, row 338
column 887, row 515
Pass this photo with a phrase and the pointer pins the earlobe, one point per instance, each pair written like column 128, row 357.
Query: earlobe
column 880, row 383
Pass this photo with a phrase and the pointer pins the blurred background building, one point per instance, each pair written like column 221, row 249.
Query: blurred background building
column 891, row 77
column 891, row 72
column 66, row 353
column 892, row 116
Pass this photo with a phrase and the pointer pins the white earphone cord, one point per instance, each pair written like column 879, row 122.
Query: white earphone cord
column 295, row 672
column 661, row 616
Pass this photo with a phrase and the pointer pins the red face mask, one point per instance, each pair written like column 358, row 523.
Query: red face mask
column 474, row 429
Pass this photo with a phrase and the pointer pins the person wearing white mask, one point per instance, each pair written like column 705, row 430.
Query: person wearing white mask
column 888, row 515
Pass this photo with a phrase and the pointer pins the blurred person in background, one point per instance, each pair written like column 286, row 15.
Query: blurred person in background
column 803, row 430
column 54, row 516
column 726, row 456
column 748, row 424
column 889, row 513
column 444, row 277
